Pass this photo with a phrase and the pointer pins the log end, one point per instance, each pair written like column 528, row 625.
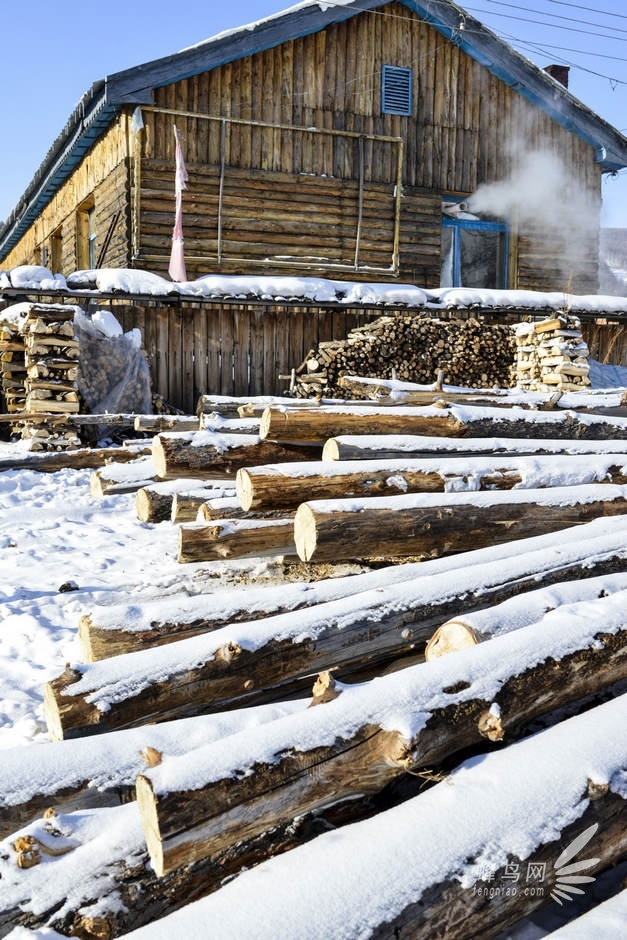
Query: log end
column 143, row 506
column 52, row 713
column 158, row 456
column 264, row 423
column 85, row 628
column 452, row 636
column 95, row 485
column 244, row 489
column 148, row 813
column 305, row 536
column 331, row 450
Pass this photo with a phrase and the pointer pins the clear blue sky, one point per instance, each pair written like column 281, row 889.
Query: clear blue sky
column 52, row 52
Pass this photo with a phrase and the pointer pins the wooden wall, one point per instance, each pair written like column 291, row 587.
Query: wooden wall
column 292, row 195
column 102, row 176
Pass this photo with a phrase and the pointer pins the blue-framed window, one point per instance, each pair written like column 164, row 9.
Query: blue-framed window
column 475, row 250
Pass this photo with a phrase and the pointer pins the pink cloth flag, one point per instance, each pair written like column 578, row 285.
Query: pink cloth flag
column 176, row 269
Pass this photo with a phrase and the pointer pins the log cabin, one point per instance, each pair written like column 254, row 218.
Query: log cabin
column 351, row 139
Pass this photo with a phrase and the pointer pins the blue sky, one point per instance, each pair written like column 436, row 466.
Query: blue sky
column 51, row 53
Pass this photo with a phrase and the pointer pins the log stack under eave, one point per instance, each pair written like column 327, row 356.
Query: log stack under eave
column 411, row 348
column 551, row 356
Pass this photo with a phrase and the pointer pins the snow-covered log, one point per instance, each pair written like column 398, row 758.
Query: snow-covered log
column 476, row 627
column 187, row 504
column 117, row 479
column 157, row 423
column 76, row 459
column 318, row 424
column 196, row 806
column 402, row 526
column 153, row 502
column 288, row 485
column 209, row 454
column 605, row 920
column 597, row 547
column 243, row 662
column 86, row 772
column 405, row 446
column 467, row 858
column 236, row 538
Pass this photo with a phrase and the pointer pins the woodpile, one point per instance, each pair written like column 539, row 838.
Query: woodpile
column 519, row 601
column 413, row 348
column 40, row 371
column 552, row 356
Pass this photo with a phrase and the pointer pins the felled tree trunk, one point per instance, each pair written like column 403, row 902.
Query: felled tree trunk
column 236, row 538
column 209, row 455
column 184, row 822
column 402, row 526
column 288, row 485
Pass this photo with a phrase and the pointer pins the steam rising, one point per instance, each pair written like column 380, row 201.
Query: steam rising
column 540, row 197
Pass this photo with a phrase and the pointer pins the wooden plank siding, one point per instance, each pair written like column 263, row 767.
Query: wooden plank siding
column 291, row 197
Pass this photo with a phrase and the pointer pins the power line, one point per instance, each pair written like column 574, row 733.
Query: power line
column 554, row 16
column 571, row 29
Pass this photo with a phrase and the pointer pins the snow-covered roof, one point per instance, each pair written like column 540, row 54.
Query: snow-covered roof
column 100, row 104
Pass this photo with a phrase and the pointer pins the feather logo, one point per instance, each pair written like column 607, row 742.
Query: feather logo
column 567, row 876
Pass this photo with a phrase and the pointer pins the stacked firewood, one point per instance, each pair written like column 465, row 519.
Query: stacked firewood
column 13, row 368
column 551, row 355
column 410, row 348
column 40, row 368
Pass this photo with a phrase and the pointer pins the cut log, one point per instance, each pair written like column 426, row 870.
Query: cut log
column 317, row 425
column 249, row 662
column 210, row 455
column 472, row 628
column 75, row 459
column 597, row 547
column 542, row 806
column 154, row 502
column 221, row 425
column 405, row 526
column 118, row 479
column 186, row 505
column 357, row 746
column 228, row 406
column 152, row 423
column 236, row 538
column 288, row 485
column 73, row 774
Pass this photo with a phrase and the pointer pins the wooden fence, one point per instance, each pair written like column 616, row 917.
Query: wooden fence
column 240, row 348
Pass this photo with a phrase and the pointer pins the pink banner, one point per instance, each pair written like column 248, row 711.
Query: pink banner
column 176, row 269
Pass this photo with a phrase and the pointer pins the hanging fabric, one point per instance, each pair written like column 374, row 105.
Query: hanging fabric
column 176, row 269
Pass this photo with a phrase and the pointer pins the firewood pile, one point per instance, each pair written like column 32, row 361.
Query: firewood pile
column 551, row 355
column 40, row 353
column 511, row 583
column 410, row 348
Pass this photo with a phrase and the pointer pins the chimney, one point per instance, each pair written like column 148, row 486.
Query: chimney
column 559, row 73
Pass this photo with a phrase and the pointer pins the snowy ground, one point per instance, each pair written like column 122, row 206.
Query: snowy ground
column 51, row 533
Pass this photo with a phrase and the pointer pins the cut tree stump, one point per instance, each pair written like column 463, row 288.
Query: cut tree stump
column 402, row 526
column 236, row 538
column 353, row 745
column 595, row 548
column 288, row 485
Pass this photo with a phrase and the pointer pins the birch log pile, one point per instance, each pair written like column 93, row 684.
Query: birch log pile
column 404, row 526
column 254, row 661
column 353, row 745
column 316, row 425
column 595, row 548
column 277, row 486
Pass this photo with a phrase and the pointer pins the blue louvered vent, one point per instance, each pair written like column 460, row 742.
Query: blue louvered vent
column 396, row 90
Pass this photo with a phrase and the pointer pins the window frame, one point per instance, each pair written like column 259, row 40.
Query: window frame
column 475, row 225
